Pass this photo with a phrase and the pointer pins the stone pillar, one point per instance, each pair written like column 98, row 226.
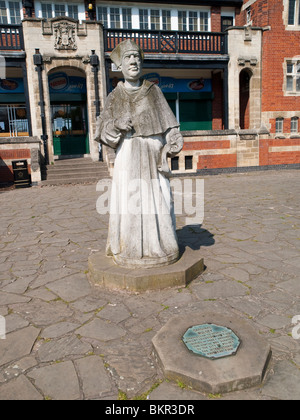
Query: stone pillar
column 245, row 51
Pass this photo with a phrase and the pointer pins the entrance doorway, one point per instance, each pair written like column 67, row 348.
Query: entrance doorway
column 68, row 97
column 70, row 136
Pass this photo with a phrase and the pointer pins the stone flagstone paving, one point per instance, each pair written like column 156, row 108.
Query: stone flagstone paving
column 67, row 339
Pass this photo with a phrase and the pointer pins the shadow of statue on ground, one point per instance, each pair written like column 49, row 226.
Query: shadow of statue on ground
column 194, row 237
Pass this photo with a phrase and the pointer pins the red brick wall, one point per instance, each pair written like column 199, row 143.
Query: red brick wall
column 217, row 161
column 269, row 156
column 278, row 44
column 215, row 19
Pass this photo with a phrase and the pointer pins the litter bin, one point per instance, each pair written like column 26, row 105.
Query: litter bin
column 21, row 176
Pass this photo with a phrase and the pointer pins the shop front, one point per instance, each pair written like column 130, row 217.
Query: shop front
column 189, row 94
column 68, row 99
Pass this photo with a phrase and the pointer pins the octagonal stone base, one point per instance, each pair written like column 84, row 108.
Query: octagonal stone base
column 104, row 271
column 243, row 370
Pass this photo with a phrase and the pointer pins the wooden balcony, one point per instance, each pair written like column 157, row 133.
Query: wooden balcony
column 11, row 37
column 169, row 42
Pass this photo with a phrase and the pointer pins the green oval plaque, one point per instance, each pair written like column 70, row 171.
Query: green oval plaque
column 211, row 341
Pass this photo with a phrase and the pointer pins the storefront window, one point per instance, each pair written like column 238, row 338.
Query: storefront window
column 13, row 121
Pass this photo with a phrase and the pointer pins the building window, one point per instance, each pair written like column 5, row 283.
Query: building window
column 115, row 17
column 193, row 21
column 154, row 20
column 15, row 12
column 59, row 10
column 50, row 10
column 73, row 11
column 294, row 125
column 127, row 18
column 103, row 16
column 143, row 14
column 203, row 21
column 11, row 12
column 279, row 125
column 188, row 162
column 294, row 12
column 166, row 20
column 47, row 10
column 175, row 163
column 13, row 121
column 182, row 21
column 248, row 16
column 3, row 13
column 293, row 77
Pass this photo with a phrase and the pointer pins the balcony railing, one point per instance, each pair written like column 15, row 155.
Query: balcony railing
column 170, row 42
column 11, row 37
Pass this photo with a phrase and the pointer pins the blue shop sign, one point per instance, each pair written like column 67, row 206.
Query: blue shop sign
column 62, row 83
column 172, row 85
column 14, row 85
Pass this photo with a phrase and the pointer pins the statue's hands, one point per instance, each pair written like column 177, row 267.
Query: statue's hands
column 123, row 124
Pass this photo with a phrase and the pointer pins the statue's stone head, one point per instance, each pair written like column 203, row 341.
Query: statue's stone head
column 128, row 57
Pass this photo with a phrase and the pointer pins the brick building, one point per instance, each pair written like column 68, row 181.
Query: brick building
column 229, row 69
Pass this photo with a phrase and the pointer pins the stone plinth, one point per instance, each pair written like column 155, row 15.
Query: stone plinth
column 105, row 272
column 242, row 370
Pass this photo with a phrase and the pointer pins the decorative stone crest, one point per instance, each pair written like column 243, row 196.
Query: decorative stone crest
column 64, row 36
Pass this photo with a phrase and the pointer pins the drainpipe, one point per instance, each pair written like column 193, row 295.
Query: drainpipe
column 38, row 62
column 94, row 60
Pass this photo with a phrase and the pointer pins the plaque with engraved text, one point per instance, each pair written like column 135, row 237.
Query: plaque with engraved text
column 211, row 341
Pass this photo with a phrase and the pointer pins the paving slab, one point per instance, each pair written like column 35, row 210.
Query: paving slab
column 58, row 381
column 101, row 339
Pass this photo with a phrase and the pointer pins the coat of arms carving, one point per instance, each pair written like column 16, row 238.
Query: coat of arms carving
column 64, row 36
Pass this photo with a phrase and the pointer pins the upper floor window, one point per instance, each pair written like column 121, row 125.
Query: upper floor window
column 279, row 125
column 293, row 12
column 193, row 21
column 50, row 10
column 3, row 12
column 115, row 17
column 293, row 77
column 294, row 124
column 153, row 18
column 10, row 12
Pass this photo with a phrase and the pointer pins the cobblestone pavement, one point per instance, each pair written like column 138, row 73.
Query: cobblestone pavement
column 68, row 339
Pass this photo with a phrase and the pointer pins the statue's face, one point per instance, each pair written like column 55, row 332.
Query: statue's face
column 131, row 65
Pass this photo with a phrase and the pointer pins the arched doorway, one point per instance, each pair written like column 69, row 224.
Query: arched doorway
column 244, row 84
column 68, row 100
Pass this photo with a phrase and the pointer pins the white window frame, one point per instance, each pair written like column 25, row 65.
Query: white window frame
column 173, row 13
column 279, row 125
column 294, row 125
column 295, row 26
column 188, row 17
column 81, row 9
column 160, row 11
column 294, row 74
column 296, row 17
column 8, row 15
column 117, row 6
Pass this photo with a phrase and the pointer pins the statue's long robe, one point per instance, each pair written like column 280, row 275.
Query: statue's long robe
column 142, row 229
